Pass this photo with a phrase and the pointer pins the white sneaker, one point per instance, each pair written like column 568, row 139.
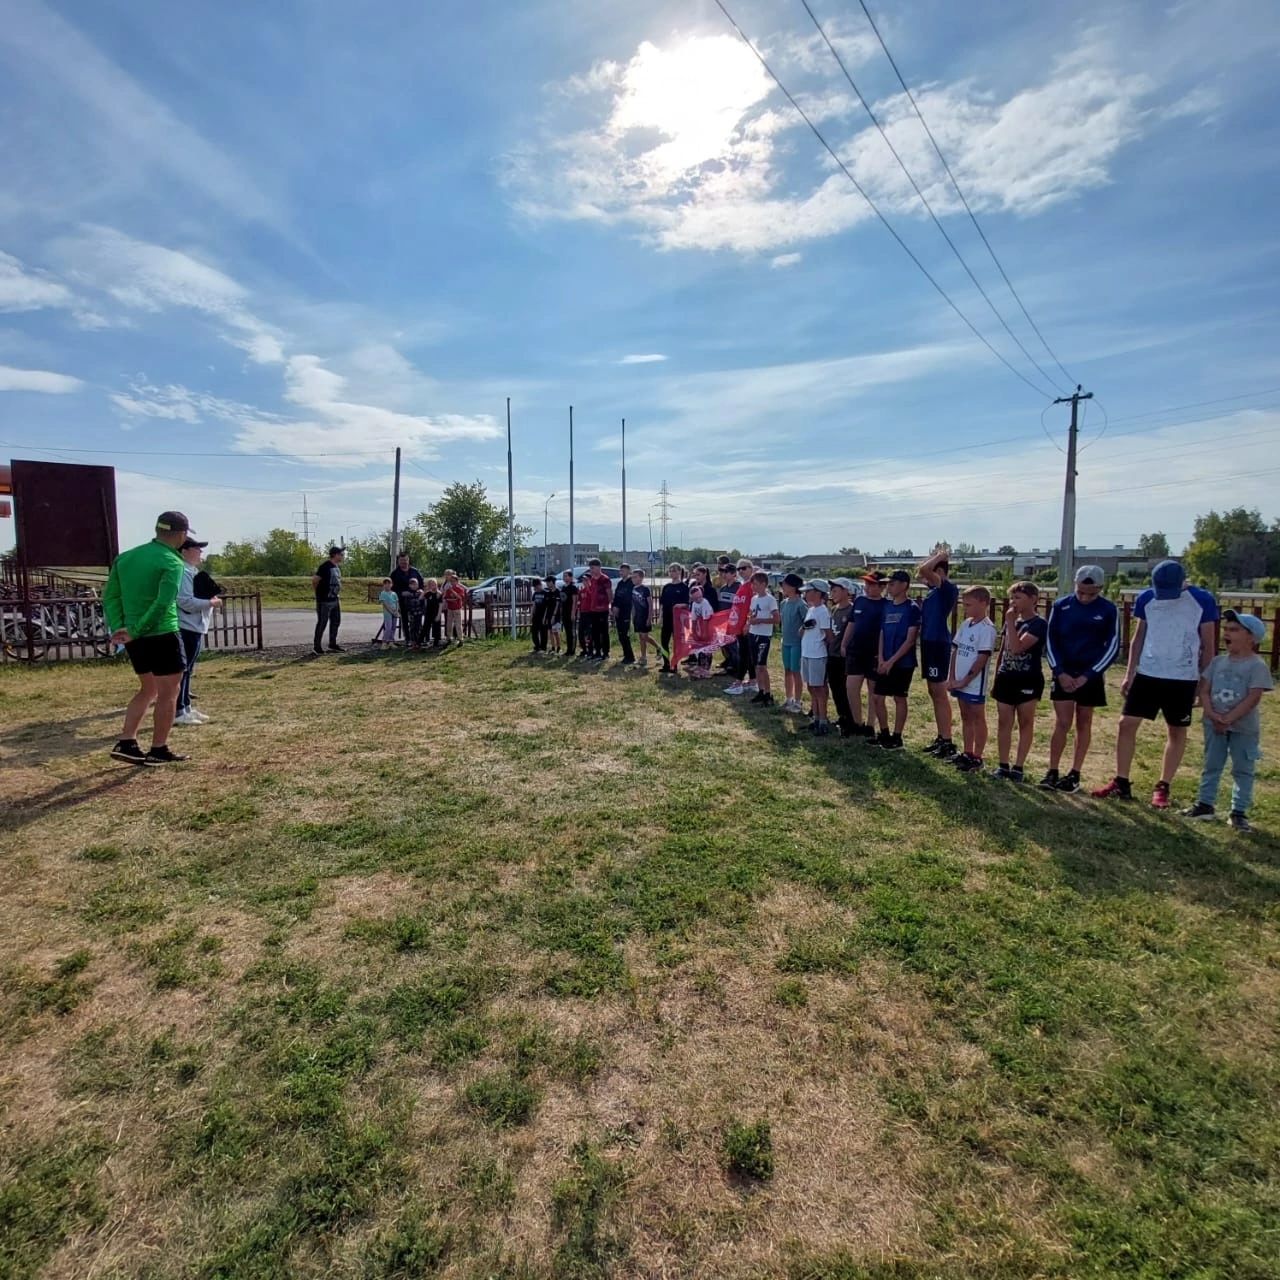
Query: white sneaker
column 735, row 689
column 750, row 686
column 199, row 715
column 187, row 718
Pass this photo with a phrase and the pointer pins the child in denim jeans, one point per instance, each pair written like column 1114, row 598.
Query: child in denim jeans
column 1230, row 689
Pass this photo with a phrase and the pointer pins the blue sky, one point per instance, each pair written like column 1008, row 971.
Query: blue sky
column 295, row 235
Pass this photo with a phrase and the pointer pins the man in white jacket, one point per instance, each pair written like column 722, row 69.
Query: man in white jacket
column 193, row 626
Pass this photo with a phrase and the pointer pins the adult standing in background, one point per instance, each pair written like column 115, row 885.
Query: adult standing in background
column 194, row 612
column 935, row 643
column 327, row 581
column 1171, row 648
column 400, row 578
column 140, row 604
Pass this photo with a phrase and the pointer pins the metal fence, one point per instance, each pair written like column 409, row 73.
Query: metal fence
column 45, row 628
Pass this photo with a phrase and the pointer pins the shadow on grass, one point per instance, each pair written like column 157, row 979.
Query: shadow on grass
column 39, row 744
column 16, row 814
column 1102, row 848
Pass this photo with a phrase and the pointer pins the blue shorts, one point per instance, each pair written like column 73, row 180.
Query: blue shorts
column 791, row 657
column 973, row 699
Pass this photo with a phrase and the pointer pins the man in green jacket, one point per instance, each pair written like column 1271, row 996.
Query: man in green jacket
column 141, row 607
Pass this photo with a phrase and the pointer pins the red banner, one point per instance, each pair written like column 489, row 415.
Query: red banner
column 705, row 635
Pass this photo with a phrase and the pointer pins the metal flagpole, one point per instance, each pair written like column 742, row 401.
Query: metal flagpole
column 573, row 557
column 395, row 515
column 624, row 489
column 511, row 521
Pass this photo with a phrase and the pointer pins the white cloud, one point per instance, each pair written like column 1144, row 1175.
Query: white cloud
column 786, row 260
column 654, row 358
column 23, row 290
column 692, row 145
column 56, row 384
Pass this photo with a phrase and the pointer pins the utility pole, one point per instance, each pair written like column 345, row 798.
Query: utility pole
column 624, row 489
column 1067, row 545
column 546, row 559
column 664, row 505
column 511, row 521
column 395, row 514
column 573, row 550
column 305, row 516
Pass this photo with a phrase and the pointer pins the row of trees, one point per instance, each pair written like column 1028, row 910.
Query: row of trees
column 462, row 531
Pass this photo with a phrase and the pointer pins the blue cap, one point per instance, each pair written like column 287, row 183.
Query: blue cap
column 1168, row 578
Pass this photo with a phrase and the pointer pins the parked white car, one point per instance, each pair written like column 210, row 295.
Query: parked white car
column 498, row 587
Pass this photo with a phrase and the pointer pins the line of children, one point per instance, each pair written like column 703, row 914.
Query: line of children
column 764, row 615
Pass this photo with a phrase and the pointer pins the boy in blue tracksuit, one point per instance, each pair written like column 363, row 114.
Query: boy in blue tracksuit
column 1083, row 641
column 936, row 611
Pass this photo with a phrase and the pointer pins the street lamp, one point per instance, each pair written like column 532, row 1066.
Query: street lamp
column 545, row 505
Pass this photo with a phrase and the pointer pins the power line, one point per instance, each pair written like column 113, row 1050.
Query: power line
column 972, row 216
column 844, row 168
column 902, row 164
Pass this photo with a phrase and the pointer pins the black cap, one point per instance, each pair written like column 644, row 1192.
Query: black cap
column 899, row 575
column 172, row 522
column 793, row 580
column 188, row 543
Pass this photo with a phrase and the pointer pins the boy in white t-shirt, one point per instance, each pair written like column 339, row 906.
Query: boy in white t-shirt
column 814, row 632
column 971, row 650
column 763, row 614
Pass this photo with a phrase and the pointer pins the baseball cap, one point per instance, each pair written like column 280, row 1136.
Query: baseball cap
column 846, row 583
column 1253, row 625
column 1168, row 578
column 817, row 584
column 899, row 575
column 1092, row 574
column 173, row 522
column 188, row 543
column 794, row 580
column 875, row 576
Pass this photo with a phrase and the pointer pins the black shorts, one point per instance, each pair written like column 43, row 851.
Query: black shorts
column 157, row 655
column 1013, row 688
column 761, row 645
column 1150, row 696
column 861, row 664
column 896, row 683
column 1093, row 693
column 935, row 660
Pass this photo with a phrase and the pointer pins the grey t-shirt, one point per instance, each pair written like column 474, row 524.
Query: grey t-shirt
column 1230, row 680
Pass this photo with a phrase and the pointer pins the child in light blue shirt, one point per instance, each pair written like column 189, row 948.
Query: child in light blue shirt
column 390, row 612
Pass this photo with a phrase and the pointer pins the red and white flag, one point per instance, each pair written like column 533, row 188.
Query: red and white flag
column 706, row 635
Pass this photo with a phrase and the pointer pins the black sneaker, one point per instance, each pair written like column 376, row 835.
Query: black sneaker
column 627, row 662
column 760, row 697
column 127, row 749
column 971, row 765
column 821, row 728
column 1239, row 822
column 946, row 752
column 1003, row 772
column 932, row 748
column 960, row 761
column 1050, row 781
column 1200, row 811
column 766, row 700
column 337, row 648
column 1015, row 774
column 1069, row 783
column 894, row 742
column 162, row 755
column 317, row 650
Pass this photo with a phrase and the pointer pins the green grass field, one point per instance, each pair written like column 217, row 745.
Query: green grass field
column 474, row 965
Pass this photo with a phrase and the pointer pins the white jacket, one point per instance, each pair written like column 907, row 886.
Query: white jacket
column 193, row 613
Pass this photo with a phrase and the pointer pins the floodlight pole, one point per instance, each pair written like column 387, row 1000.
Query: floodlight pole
column 511, row 521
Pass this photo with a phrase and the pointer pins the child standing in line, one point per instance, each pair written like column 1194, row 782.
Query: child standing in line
column 390, row 613
column 792, row 611
column 971, row 651
column 431, row 618
column 1019, row 682
column 539, row 632
column 455, row 599
column 896, row 664
column 1230, row 691
column 641, row 614
column 700, row 632
column 763, row 613
column 814, row 642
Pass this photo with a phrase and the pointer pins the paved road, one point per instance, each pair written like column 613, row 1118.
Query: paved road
column 298, row 626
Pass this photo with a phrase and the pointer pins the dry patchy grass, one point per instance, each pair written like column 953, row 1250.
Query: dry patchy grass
column 475, row 966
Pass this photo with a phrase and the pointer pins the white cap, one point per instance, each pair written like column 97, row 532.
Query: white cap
column 1091, row 573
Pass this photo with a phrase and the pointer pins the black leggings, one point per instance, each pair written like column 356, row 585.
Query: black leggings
column 599, row 634
column 328, row 613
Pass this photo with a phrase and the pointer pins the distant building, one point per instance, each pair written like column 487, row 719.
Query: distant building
column 821, row 563
column 554, row 557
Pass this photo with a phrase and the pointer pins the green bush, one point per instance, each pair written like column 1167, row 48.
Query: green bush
column 748, row 1150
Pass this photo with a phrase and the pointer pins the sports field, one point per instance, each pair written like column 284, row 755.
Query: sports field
column 478, row 965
